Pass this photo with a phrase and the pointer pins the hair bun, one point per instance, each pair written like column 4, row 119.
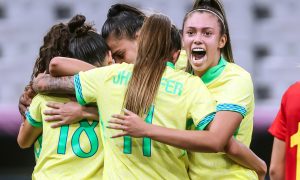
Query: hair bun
column 201, row 3
column 116, row 9
column 77, row 26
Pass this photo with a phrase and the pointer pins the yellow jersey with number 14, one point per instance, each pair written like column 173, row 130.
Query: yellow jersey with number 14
column 180, row 96
column 69, row 152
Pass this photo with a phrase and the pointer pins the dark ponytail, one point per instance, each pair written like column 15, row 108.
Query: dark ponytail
column 85, row 43
column 122, row 21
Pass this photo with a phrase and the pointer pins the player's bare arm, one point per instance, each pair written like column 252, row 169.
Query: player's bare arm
column 46, row 84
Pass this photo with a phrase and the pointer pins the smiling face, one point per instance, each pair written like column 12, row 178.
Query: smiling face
column 122, row 49
column 203, row 41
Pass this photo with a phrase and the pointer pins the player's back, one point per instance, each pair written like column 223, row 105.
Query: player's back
column 71, row 151
column 179, row 98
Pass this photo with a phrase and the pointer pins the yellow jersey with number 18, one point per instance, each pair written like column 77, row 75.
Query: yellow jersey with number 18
column 69, row 152
column 180, row 97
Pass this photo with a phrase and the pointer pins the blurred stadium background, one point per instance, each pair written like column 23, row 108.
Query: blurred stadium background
column 265, row 35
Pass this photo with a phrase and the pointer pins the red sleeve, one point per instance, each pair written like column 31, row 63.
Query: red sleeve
column 278, row 127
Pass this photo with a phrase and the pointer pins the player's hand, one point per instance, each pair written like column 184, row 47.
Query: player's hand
column 25, row 100
column 63, row 113
column 130, row 124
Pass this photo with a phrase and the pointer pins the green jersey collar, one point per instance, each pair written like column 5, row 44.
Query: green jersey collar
column 170, row 64
column 214, row 72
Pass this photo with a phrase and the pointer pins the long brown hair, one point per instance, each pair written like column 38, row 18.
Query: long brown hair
column 76, row 39
column 56, row 43
column 217, row 7
column 155, row 49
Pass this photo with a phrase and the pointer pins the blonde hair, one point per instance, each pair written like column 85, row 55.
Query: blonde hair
column 155, row 49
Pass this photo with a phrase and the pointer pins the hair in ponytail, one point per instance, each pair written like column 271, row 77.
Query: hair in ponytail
column 155, row 49
column 85, row 43
column 75, row 39
column 122, row 21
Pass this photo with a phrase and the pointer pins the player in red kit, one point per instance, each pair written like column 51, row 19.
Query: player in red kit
column 285, row 161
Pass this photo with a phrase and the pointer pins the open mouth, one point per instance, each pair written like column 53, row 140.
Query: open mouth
column 198, row 53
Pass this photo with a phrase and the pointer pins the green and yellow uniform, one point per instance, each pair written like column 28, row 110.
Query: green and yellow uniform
column 180, row 96
column 232, row 88
column 69, row 152
column 37, row 147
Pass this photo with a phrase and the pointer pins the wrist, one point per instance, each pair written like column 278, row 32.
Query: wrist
column 148, row 130
column 262, row 170
column 89, row 112
column 83, row 114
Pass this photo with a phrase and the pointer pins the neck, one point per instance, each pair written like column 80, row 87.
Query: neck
column 214, row 63
column 199, row 73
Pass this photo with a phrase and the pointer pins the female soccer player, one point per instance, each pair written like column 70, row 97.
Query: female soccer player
column 285, row 129
column 122, row 79
column 120, row 32
column 218, row 87
column 132, row 158
column 64, row 150
column 207, row 44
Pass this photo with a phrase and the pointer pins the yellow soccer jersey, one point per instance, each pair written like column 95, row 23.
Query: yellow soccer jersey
column 180, row 97
column 37, row 147
column 232, row 88
column 69, row 152
column 182, row 61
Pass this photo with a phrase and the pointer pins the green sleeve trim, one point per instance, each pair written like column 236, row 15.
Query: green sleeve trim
column 32, row 121
column 189, row 124
column 37, row 150
column 202, row 124
column 232, row 107
column 170, row 64
column 236, row 132
column 78, row 90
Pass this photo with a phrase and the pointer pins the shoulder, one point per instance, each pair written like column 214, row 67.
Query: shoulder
column 182, row 76
column 236, row 77
column 104, row 73
column 294, row 88
column 235, row 85
column 182, row 60
column 293, row 91
column 234, row 70
column 179, row 78
column 110, row 68
column 40, row 99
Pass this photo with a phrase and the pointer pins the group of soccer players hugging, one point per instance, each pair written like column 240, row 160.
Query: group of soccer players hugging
column 143, row 100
